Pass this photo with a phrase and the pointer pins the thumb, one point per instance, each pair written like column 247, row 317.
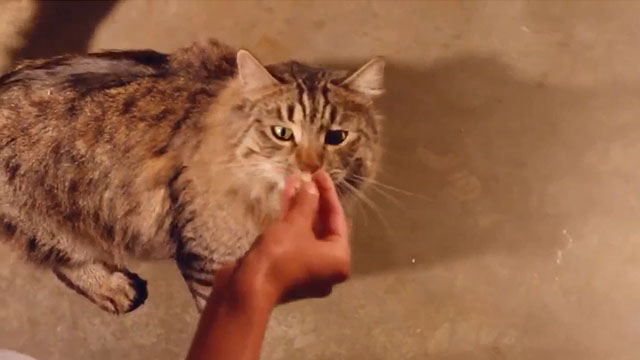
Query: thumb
column 305, row 203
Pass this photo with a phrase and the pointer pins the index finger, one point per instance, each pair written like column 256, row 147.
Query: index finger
column 291, row 185
column 332, row 212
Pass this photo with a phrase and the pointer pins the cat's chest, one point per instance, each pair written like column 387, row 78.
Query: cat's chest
column 226, row 215
column 228, row 237
column 237, row 221
column 251, row 213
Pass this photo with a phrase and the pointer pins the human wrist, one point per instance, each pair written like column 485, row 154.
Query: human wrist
column 251, row 284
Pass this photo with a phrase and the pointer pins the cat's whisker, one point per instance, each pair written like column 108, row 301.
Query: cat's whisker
column 379, row 189
column 393, row 197
column 360, row 195
column 360, row 207
column 389, row 187
column 364, row 213
column 387, row 196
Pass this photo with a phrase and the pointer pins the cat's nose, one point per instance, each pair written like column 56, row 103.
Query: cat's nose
column 309, row 161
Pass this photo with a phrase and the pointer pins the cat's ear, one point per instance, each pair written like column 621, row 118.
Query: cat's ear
column 253, row 75
column 369, row 79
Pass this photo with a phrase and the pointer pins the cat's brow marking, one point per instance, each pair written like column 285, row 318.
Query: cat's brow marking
column 300, row 89
column 290, row 112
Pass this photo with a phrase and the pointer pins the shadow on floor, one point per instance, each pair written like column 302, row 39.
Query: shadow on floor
column 472, row 149
column 61, row 27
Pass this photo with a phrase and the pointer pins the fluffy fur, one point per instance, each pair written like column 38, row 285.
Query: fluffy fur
column 156, row 156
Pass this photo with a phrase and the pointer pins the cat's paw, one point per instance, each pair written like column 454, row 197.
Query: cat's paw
column 123, row 292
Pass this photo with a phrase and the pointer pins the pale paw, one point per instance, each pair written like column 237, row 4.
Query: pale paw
column 123, row 292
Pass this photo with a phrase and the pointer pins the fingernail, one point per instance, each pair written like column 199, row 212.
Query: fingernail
column 305, row 176
column 311, row 188
column 296, row 184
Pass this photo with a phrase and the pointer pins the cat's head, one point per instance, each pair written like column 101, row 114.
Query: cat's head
column 302, row 119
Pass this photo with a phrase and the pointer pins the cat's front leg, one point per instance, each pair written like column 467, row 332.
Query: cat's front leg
column 209, row 233
column 198, row 263
column 198, row 273
column 114, row 289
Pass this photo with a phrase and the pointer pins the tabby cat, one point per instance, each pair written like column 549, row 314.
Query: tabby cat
column 168, row 156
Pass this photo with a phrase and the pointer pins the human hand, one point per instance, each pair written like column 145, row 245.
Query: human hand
column 304, row 254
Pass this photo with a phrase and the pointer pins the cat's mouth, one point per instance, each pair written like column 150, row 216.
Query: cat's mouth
column 348, row 182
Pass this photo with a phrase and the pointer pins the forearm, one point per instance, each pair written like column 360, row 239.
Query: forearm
column 233, row 323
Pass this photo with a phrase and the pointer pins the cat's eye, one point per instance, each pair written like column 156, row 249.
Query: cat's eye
column 335, row 137
column 282, row 133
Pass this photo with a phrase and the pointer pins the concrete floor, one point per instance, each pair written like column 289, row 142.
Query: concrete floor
column 514, row 126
